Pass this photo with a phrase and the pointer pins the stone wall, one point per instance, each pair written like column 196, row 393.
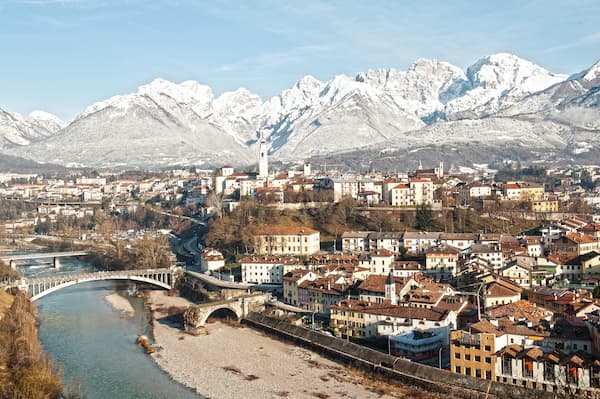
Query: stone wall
column 391, row 367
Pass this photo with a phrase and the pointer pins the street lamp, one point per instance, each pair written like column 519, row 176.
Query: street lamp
column 440, row 357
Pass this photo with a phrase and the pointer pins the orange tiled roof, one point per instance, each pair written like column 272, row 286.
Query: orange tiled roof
column 285, row 230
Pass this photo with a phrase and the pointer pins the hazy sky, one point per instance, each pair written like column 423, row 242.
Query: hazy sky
column 63, row 55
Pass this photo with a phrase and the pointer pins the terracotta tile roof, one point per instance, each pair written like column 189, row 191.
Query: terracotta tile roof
column 514, row 328
column 325, row 286
column 521, row 309
column 355, row 234
column 382, row 253
column 376, row 283
column 401, row 186
column 285, row 230
column 283, row 260
column 579, row 238
column 387, row 309
column 295, row 275
column 484, row 326
column 443, row 249
column 510, row 350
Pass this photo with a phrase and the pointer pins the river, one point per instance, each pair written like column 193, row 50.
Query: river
column 96, row 344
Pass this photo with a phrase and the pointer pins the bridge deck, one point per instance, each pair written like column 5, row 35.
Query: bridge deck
column 43, row 255
column 106, row 275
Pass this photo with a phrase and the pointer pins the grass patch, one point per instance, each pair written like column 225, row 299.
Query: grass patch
column 6, row 301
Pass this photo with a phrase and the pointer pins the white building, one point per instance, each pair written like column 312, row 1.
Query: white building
column 268, row 269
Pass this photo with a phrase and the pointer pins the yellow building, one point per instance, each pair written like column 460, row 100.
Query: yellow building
column 281, row 240
column 531, row 192
column 544, row 206
column 474, row 353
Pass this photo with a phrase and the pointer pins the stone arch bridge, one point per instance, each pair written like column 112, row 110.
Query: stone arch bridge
column 195, row 317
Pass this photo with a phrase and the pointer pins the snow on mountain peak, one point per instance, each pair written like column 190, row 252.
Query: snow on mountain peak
column 500, row 80
column 44, row 116
column 188, row 92
column 593, row 72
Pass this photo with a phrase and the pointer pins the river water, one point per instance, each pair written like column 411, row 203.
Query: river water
column 95, row 343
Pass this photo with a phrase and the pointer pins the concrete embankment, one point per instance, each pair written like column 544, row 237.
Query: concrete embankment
column 430, row 378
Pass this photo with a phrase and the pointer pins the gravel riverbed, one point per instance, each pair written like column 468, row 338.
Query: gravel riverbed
column 239, row 362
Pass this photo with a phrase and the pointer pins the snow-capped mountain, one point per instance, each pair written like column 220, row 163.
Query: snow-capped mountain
column 18, row 131
column 575, row 101
column 498, row 81
column 169, row 123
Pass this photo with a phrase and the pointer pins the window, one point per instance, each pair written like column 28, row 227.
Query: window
column 457, row 355
column 478, row 373
column 488, row 348
column 467, row 357
column 488, row 360
column 457, row 369
column 478, row 358
column 488, row 375
column 468, row 370
column 506, row 365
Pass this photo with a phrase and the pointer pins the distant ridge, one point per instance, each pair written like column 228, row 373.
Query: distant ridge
column 501, row 100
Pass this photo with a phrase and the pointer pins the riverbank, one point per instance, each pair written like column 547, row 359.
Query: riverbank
column 120, row 304
column 234, row 362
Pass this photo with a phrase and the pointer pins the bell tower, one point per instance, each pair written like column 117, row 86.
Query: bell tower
column 263, row 161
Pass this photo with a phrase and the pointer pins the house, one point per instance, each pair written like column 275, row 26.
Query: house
column 501, row 292
column 480, row 190
column 281, row 240
column 421, row 191
column 292, row 280
column 268, row 269
column 379, row 261
column 418, row 242
column 518, row 272
column 211, row 259
column 355, row 241
column 459, row 241
column 368, row 320
column 582, row 267
column 392, row 241
column 441, row 262
column 373, row 288
column 320, row 294
column 401, row 195
column 491, row 253
column 544, row 206
column 553, row 371
column 575, row 243
column 407, row 269
column 568, row 337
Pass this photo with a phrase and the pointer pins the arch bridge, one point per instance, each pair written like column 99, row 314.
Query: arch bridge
column 195, row 317
column 39, row 287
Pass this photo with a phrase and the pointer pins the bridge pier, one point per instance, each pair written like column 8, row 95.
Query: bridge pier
column 56, row 263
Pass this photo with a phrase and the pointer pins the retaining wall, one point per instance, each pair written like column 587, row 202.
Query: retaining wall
column 431, row 378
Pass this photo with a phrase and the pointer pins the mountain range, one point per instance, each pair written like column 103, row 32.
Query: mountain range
column 502, row 107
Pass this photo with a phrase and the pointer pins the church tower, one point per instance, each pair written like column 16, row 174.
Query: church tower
column 390, row 289
column 263, row 162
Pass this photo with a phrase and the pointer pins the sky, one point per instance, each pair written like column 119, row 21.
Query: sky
column 63, row 55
